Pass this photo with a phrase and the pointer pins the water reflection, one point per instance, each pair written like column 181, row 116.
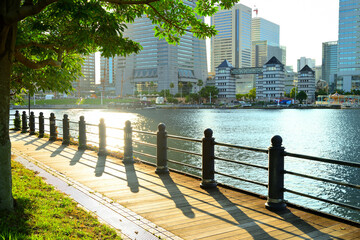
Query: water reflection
column 324, row 133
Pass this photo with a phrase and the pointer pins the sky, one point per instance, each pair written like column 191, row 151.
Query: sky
column 304, row 25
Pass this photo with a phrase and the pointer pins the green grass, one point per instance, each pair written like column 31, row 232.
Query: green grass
column 44, row 213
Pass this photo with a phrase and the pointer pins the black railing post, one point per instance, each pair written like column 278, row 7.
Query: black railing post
column 161, row 150
column 102, row 138
column 41, row 125
column 53, row 133
column 128, row 149
column 275, row 200
column 17, row 121
column 24, row 122
column 82, row 133
column 32, row 123
column 66, row 130
column 208, row 160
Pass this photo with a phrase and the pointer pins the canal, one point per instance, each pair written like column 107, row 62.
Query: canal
column 328, row 133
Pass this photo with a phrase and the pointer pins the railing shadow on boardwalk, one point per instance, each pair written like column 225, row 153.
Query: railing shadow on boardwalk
column 239, row 218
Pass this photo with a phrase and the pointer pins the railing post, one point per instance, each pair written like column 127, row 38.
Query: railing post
column 102, row 138
column 128, row 149
column 32, row 123
column 161, row 150
column 17, row 121
column 66, row 130
column 24, row 122
column 275, row 200
column 53, row 133
column 82, row 134
column 208, row 160
column 41, row 125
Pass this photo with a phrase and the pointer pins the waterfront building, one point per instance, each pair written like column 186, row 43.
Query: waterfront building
column 233, row 41
column 85, row 84
column 306, row 82
column 160, row 64
column 301, row 62
column 329, row 63
column 290, row 80
column 225, row 82
column 318, row 73
column 348, row 75
column 245, row 78
column 270, row 84
column 262, row 52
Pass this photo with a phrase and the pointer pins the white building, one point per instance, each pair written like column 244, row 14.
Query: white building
column 306, row 82
column 225, row 82
column 270, row 84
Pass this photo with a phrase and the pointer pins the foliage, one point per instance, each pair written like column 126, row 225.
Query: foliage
column 241, row 96
column 293, row 92
column 42, row 211
column 208, row 91
column 200, row 83
column 252, row 94
column 301, row 96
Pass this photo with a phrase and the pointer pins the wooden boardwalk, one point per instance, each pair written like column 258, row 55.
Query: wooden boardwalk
column 176, row 202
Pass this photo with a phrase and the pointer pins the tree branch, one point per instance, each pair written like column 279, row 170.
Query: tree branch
column 167, row 20
column 26, row 10
column 35, row 44
column 129, row 2
column 35, row 65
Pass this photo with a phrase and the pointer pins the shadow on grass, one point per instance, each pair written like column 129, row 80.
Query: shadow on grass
column 14, row 224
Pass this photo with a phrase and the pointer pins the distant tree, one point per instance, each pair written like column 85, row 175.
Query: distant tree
column 252, row 94
column 152, row 84
column 189, row 86
column 181, row 85
column 172, row 85
column 293, row 92
column 301, row 96
column 200, row 83
column 241, row 96
column 205, row 92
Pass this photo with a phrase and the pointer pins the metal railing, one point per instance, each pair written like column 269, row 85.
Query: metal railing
column 276, row 155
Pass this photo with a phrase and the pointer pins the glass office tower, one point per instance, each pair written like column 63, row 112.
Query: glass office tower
column 348, row 45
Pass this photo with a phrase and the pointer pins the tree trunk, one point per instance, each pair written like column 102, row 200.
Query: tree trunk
column 7, row 39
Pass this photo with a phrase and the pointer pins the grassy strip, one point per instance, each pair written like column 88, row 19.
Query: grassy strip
column 41, row 212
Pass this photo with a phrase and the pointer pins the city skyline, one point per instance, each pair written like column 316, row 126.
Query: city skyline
column 320, row 18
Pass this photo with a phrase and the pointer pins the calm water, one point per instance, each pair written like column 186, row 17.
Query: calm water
column 317, row 132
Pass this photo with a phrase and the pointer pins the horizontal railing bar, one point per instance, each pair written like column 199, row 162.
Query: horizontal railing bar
column 45, row 124
column 143, row 132
column 73, row 129
column 118, row 138
column 242, row 147
column 90, row 124
column 144, row 154
column 241, row 179
column 92, row 141
column 321, row 199
column 73, row 122
column 242, row 163
column 184, row 164
column 326, row 160
column 184, row 138
column 145, row 143
column 59, row 120
column 184, row 151
column 116, row 128
column 323, row 179
column 92, row 133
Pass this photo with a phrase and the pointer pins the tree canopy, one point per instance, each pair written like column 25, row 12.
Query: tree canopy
column 41, row 43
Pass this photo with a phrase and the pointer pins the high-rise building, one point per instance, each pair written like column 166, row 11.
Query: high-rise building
column 86, row 83
column 329, row 63
column 348, row 76
column 265, row 37
column 233, row 41
column 264, row 30
column 303, row 61
column 107, row 76
column 160, row 65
